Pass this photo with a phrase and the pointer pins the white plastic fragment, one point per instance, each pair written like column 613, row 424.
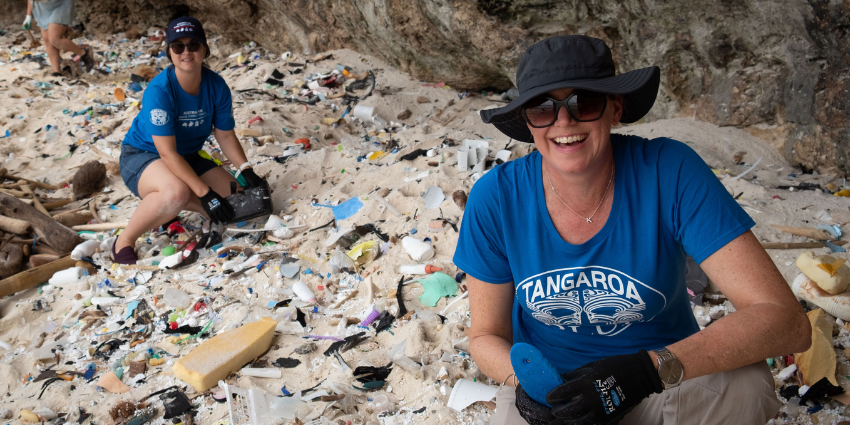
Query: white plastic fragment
column 256, row 407
column 303, row 291
column 787, row 373
column 64, row 277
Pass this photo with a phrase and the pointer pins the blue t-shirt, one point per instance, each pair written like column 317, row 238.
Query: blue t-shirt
column 167, row 110
column 622, row 290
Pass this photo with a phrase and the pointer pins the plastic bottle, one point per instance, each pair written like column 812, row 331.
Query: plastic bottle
column 52, row 134
column 418, row 269
column 85, row 249
column 418, row 250
column 303, row 291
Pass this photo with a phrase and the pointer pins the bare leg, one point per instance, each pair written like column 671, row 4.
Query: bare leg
column 52, row 51
column 56, row 31
column 164, row 196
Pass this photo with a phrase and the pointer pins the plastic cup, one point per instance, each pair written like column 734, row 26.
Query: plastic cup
column 467, row 392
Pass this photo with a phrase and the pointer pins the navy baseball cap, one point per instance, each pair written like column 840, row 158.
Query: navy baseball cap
column 186, row 27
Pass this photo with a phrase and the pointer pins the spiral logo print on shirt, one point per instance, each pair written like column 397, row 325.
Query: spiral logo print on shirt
column 591, row 300
column 159, row 117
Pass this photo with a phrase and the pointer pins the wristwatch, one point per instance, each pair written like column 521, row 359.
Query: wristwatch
column 670, row 370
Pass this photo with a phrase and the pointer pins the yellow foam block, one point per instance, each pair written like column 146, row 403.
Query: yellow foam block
column 821, row 270
column 213, row 360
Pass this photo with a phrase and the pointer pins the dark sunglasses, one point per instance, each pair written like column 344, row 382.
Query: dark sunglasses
column 583, row 106
column 178, row 48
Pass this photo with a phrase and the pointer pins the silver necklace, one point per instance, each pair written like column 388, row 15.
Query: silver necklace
column 548, row 177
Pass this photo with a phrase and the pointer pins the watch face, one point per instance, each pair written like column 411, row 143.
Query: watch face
column 671, row 372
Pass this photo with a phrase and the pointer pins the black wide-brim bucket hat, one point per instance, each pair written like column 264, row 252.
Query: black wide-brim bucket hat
column 577, row 62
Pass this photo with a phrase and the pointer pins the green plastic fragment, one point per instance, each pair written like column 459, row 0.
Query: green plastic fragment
column 436, row 286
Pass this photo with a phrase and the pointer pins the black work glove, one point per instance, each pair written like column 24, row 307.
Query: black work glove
column 604, row 391
column 251, row 178
column 533, row 412
column 217, row 208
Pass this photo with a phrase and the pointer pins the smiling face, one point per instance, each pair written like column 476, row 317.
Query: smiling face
column 188, row 61
column 574, row 147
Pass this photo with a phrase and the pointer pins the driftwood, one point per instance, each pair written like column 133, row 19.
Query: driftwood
column 73, row 218
column 798, row 245
column 47, row 229
column 33, row 277
column 13, row 225
column 816, row 234
column 35, row 202
column 5, row 174
column 52, row 205
column 100, row 227
column 42, row 259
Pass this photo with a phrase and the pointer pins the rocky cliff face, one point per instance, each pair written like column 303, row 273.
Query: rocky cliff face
column 776, row 68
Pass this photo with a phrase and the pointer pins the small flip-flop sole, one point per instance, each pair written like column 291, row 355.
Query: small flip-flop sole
column 536, row 375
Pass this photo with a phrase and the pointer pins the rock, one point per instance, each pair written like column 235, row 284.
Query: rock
column 90, row 178
column 404, row 114
column 460, row 198
column 422, row 99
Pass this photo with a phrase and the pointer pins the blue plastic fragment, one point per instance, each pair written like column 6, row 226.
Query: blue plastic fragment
column 308, row 271
column 89, row 372
column 285, row 392
column 315, row 309
column 241, row 224
column 413, row 231
column 250, row 290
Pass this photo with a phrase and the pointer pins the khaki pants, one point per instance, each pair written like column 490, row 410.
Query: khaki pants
column 741, row 396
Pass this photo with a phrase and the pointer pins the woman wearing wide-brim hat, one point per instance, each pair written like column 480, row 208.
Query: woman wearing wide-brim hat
column 585, row 241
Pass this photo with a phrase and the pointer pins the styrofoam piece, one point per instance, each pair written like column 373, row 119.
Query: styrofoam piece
column 503, row 155
column 467, row 392
column 472, row 155
column 256, row 407
column 85, row 249
column 262, row 372
column 70, row 275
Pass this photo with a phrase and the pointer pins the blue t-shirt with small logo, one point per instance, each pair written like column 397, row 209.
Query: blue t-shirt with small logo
column 624, row 289
column 167, row 110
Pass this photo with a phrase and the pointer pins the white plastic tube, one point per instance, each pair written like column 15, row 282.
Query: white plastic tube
column 418, row 250
column 303, row 291
column 262, row 372
column 64, row 277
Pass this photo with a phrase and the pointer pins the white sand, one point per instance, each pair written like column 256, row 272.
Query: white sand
column 318, row 174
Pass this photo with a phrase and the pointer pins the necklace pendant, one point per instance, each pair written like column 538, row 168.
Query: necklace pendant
column 588, row 219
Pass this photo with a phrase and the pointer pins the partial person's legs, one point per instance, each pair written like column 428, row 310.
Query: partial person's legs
column 219, row 180
column 56, row 31
column 163, row 197
column 741, row 396
column 52, row 51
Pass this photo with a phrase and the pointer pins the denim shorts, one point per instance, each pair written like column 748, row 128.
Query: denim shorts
column 133, row 162
column 48, row 12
